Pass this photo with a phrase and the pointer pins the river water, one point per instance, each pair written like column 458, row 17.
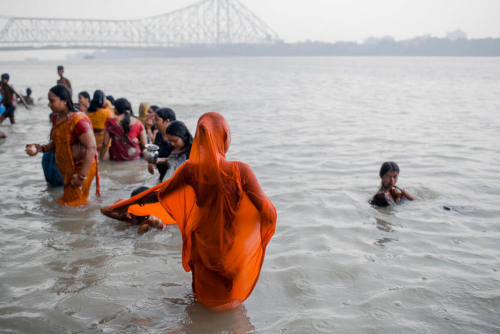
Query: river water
column 315, row 132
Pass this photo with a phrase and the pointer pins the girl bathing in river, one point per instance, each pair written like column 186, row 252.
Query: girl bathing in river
column 389, row 193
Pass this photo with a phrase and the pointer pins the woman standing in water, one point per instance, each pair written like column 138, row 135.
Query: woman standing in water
column 225, row 219
column 389, row 193
column 99, row 114
column 127, row 134
column 83, row 101
column 74, row 143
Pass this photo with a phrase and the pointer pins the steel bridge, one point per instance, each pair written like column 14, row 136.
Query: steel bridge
column 209, row 22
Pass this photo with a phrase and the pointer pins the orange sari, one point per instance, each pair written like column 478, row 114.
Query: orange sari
column 98, row 119
column 61, row 135
column 225, row 219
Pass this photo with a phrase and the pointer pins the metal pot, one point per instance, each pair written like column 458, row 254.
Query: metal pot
column 150, row 154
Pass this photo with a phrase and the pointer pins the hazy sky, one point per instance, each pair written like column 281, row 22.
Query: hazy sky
column 300, row 20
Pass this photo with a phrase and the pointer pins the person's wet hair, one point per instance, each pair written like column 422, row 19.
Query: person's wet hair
column 138, row 190
column 28, row 91
column 122, row 106
column 64, row 93
column 179, row 129
column 380, row 200
column 166, row 113
column 97, row 101
column 5, row 76
column 60, row 68
column 85, row 95
column 111, row 99
column 388, row 167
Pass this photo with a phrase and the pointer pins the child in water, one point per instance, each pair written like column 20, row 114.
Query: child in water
column 389, row 193
column 145, row 223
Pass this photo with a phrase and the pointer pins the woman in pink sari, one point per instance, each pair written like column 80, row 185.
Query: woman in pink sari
column 127, row 134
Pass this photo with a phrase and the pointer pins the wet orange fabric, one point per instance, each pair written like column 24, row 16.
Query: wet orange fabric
column 98, row 119
column 61, row 135
column 225, row 218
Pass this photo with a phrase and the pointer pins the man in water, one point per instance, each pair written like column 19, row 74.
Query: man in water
column 28, row 98
column 63, row 80
column 8, row 98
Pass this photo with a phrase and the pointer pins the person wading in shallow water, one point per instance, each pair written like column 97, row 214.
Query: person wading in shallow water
column 62, row 80
column 8, row 98
column 225, row 219
column 73, row 140
column 389, row 193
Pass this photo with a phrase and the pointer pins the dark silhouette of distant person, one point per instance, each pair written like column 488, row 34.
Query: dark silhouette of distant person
column 28, row 98
column 8, row 99
column 62, row 80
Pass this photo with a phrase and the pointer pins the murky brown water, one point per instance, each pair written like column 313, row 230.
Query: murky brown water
column 315, row 131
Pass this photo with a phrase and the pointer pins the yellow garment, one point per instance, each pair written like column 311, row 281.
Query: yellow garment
column 61, row 135
column 143, row 111
column 98, row 119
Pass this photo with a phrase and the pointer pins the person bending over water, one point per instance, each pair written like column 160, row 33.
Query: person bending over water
column 225, row 218
column 145, row 222
column 74, row 143
column 127, row 134
column 389, row 193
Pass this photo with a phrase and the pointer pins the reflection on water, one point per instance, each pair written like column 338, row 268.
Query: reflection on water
column 315, row 131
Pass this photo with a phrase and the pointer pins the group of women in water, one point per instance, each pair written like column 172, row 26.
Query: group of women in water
column 225, row 218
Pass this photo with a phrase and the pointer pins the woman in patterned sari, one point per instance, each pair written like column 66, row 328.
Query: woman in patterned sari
column 127, row 134
column 74, row 143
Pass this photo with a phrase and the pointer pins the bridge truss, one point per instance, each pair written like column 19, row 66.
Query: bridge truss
column 209, row 22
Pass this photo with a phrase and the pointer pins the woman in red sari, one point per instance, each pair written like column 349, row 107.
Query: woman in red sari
column 127, row 134
column 225, row 219
column 73, row 140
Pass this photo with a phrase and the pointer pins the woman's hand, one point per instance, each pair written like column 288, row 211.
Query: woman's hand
column 396, row 193
column 135, row 140
column 119, row 213
column 151, row 168
column 33, row 149
column 76, row 181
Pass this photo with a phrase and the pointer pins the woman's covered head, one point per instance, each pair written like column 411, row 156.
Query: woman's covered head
column 143, row 109
column 60, row 99
column 178, row 135
column 97, row 101
column 214, row 125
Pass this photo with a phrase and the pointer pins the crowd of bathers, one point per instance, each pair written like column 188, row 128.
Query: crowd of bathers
column 224, row 216
column 123, row 136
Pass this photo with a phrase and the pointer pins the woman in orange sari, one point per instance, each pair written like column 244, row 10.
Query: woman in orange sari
column 74, row 143
column 225, row 219
column 99, row 114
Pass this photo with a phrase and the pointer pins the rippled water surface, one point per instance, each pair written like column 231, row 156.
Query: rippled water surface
column 315, row 131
